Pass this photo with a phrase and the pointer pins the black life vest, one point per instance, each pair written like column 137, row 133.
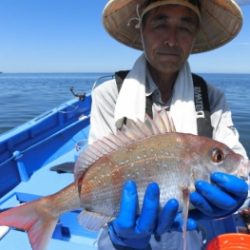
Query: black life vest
column 201, row 100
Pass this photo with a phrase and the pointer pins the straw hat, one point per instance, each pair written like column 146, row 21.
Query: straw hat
column 221, row 20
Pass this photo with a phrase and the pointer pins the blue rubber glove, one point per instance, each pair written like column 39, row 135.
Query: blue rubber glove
column 222, row 197
column 131, row 230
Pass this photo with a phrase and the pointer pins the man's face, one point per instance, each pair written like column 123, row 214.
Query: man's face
column 168, row 33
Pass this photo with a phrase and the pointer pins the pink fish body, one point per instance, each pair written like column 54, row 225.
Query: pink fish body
column 144, row 152
column 148, row 152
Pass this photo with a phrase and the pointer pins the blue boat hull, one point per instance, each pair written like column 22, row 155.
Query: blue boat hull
column 35, row 144
column 27, row 156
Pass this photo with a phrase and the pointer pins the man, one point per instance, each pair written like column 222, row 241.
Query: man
column 167, row 31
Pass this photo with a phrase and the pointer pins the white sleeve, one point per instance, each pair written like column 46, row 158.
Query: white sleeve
column 102, row 111
column 222, row 123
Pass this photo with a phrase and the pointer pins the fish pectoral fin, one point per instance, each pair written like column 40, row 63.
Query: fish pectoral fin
column 185, row 211
column 93, row 221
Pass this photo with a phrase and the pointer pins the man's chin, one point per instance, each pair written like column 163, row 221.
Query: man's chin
column 169, row 66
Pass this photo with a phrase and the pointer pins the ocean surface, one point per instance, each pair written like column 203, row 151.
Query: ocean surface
column 24, row 96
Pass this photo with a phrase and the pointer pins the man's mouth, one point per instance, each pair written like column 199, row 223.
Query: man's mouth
column 168, row 52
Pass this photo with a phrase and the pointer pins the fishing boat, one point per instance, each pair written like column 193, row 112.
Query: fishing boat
column 37, row 159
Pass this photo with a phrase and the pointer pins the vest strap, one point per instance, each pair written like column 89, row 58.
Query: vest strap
column 201, row 100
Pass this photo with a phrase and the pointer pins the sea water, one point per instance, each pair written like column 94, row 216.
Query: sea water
column 24, row 96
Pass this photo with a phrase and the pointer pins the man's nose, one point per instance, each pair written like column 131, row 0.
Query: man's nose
column 170, row 37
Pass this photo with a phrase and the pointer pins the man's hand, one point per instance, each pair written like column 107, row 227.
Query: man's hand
column 132, row 230
column 222, row 197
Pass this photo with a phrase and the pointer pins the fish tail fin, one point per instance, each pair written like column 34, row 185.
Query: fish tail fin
column 34, row 218
column 185, row 194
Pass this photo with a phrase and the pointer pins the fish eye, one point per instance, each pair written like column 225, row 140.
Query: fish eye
column 217, row 155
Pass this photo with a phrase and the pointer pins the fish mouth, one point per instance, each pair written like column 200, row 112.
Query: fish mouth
column 243, row 169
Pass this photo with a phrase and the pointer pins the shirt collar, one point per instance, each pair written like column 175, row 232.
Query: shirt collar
column 152, row 89
column 150, row 84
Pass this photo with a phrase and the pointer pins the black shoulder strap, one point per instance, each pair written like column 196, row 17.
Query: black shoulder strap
column 200, row 97
column 119, row 77
column 202, row 107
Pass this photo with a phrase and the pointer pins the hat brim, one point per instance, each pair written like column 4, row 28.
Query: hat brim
column 220, row 23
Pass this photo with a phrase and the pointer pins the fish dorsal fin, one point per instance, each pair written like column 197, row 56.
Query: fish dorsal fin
column 131, row 132
column 161, row 123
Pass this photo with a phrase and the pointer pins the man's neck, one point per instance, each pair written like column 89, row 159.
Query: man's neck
column 164, row 82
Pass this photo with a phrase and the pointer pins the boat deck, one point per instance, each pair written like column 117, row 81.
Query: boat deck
column 68, row 233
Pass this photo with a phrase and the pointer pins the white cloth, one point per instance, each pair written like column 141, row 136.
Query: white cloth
column 131, row 100
column 182, row 108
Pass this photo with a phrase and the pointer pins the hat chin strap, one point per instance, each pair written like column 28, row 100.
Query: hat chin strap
column 168, row 2
column 137, row 19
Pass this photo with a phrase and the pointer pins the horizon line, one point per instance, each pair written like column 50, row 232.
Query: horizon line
column 104, row 72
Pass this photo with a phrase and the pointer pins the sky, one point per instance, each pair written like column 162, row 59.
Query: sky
column 68, row 36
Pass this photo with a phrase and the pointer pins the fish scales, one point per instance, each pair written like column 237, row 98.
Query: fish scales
column 99, row 191
column 171, row 159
